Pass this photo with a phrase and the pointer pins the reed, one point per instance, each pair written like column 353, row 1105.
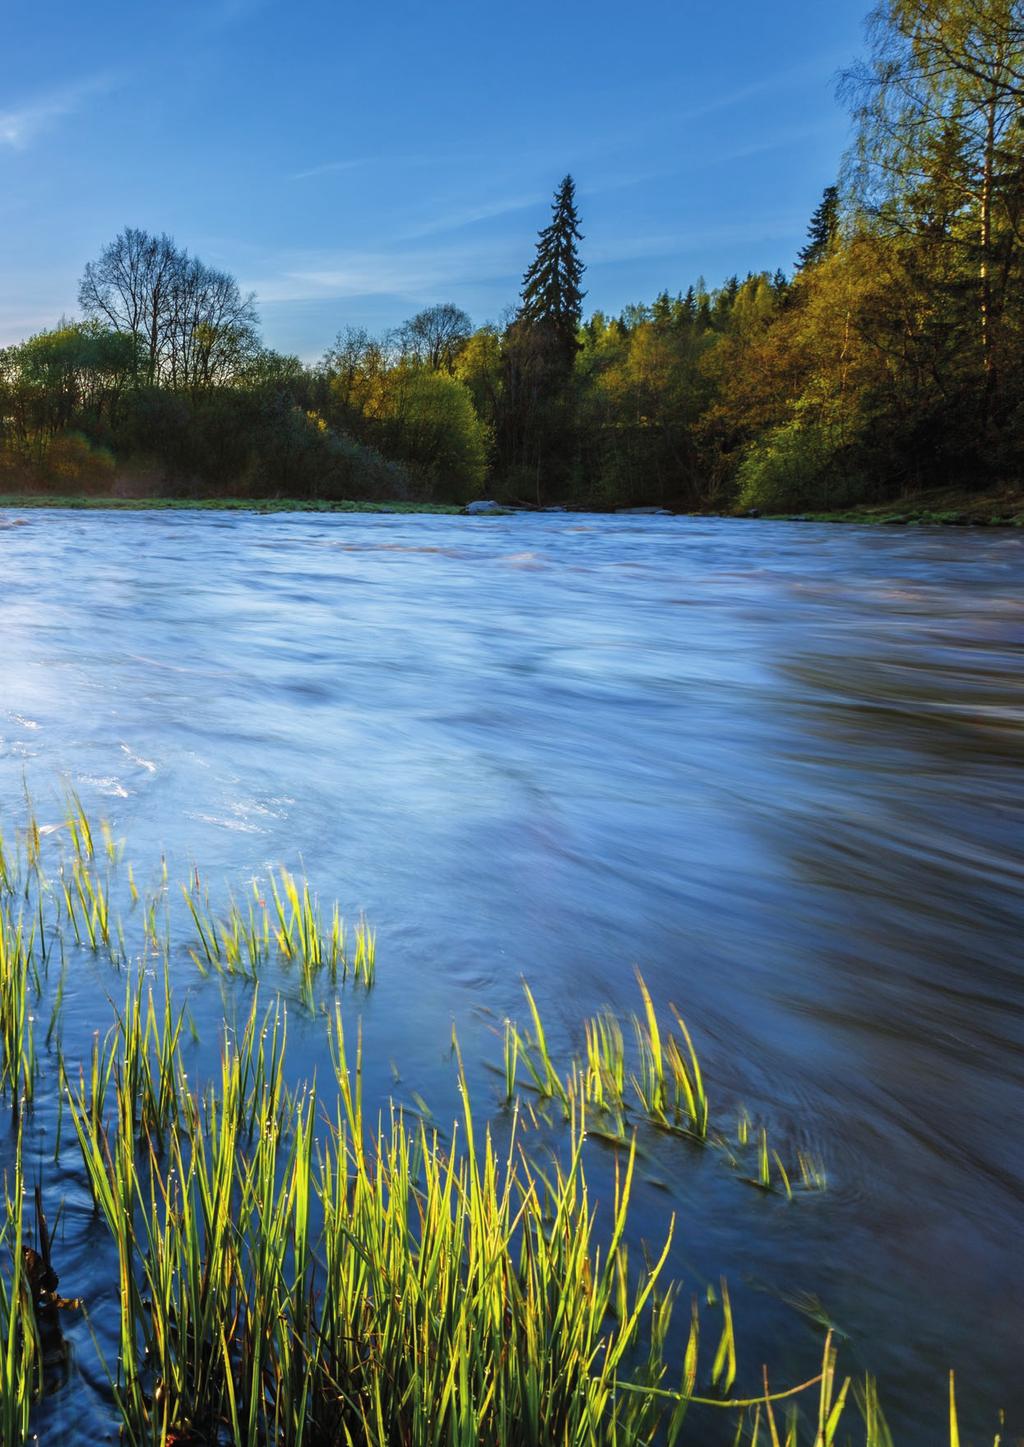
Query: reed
column 667, row 1084
column 669, row 1081
column 294, row 1272
column 19, row 989
column 85, row 892
column 605, row 1063
column 290, row 927
column 381, row 1288
column 20, row 1356
column 534, row 1052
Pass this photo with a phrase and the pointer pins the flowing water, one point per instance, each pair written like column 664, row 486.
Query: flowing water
column 775, row 765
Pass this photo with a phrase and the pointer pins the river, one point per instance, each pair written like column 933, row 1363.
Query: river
column 776, row 765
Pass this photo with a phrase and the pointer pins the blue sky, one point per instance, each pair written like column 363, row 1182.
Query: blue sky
column 351, row 165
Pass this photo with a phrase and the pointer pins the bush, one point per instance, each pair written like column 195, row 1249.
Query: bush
column 427, row 420
column 300, row 456
column 796, row 467
column 71, row 463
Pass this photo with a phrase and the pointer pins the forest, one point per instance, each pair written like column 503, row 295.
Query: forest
column 886, row 359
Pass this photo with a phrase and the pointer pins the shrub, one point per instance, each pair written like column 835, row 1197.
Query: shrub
column 795, row 467
column 427, row 420
column 71, row 463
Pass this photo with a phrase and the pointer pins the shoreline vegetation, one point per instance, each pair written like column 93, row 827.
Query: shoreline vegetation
column 286, row 1271
column 883, row 362
column 949, row 507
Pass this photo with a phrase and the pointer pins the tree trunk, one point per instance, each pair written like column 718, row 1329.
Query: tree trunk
column 985, row 278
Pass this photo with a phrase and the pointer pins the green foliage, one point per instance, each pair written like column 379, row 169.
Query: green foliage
column 892, row 360
column 480, row 367
column 289, row 1266
column 552, row 297
column 75, row 463
column 792, row 468
column 823, row 228
column 426, row 420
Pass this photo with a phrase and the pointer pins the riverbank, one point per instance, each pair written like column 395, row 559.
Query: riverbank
column 949, row 507
column 944, row 506
column 217, row 504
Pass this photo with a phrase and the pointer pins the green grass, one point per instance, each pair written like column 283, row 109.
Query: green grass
column 22, row 500
column 380, row 1287
column 285, row 922
column 659, row 1084
column 20, row 1356
column 295, row 1269
column 942, row 506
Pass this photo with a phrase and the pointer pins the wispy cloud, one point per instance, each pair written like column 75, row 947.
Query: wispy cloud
column 328, row 168
column 471, row 216
column 699, row 238
column 416, row 273
column 786, row 138
column 20, row 126
column 217, row 15
column 401, row 161
column 433, row 270
column 812, row 70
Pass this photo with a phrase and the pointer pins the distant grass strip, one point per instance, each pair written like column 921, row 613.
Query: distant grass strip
column 89, row 502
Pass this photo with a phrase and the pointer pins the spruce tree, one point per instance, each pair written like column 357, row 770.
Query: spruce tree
column 661, row 311
column 552, row 299
column 822, row 230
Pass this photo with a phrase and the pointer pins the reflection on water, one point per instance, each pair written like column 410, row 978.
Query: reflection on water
column 777, row 765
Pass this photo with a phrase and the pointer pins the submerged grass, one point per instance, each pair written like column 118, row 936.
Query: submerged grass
column 20, row 1364
column 289, row 925
column 19, row 986
column 661, row 1085
column 375, row 1286
column 293, row 1271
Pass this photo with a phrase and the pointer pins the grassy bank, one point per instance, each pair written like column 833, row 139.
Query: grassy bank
column 297, row 1267
column 23, row 500
column 953, row 507
column 943, row 506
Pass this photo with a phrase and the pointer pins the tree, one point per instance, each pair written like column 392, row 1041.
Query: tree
column 72, row 376
column 941, row 154
column 823, row 229
column 193, row 327
column 130, row 289
column 552, row 299
column 535, row 429
column 212, row 335
column 479, row 368
column 436, row 335
column 353, row 369
column 426, row 420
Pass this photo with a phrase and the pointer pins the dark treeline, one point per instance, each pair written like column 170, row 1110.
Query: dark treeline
column 889, row 359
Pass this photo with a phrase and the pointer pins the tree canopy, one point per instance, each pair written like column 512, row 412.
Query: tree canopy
column 890, row 359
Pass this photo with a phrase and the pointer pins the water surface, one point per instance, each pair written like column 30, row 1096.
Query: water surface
column 776, row 765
